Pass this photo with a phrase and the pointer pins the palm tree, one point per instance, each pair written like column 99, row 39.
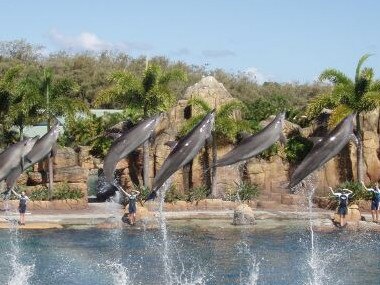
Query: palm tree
column 56, row 102
column 21, row 96
column 227, row 127
column 148, row 94
column 359, row 95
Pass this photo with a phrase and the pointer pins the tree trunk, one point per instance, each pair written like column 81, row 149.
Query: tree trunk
column 146, row 164
column 50, row 169
column 187, row 177
column 359, row 150
column 206, row 167
column 214, row 190
column 21, row 133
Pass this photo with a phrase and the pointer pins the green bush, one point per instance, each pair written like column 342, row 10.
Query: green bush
column 61, row 191
column 245, row 190
column 198, row 193
column 39, row 194
column 297, row 148
column 173, row 194
column 248, row 191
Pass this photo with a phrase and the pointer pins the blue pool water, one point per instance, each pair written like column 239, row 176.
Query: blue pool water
column 194, row 256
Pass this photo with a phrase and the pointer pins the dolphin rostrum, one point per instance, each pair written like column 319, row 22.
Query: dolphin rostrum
column 126, row 143
column 14, row 156
column 44, row 147
column 325, row 149
column 255, row 144
column 184, row 151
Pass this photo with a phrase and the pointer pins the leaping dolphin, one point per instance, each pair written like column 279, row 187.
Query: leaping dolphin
column 255, row 144
column 184, row 151
column 44, row 147
column 126, row 143
column 14, row 156
column 325, row 149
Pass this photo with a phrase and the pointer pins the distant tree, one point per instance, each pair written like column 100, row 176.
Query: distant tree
column 148, row 94
column 347, row 96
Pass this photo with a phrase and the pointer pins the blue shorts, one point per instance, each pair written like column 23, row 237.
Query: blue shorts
column 375, row 205
column 22, row 209
column 342, row 210
column 132, row 208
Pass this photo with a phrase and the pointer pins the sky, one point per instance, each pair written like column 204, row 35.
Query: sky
column 270, row 40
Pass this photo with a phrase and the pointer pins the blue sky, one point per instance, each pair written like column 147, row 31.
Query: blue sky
column 271, row 40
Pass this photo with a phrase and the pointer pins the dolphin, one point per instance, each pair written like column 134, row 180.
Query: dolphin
column 14, row 156
column 255, row 144
column 184, row 151
column 325, row 149
column 44, row 147
column 126, row 143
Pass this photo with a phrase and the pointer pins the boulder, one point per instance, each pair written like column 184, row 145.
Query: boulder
column 71, row 174
column 65, row 157
column 353, row 215
column 243, row 215
column 35, row 178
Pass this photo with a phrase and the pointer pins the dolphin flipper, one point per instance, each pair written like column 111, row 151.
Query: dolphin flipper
column 151, row 196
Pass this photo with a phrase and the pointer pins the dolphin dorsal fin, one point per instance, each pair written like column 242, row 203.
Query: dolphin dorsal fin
column 171, row 144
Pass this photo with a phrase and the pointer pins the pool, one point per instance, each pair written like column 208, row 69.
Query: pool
column 189, row 255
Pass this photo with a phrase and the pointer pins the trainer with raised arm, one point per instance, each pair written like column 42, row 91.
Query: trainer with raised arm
column 22, row 205
column 132, row 205
column 343, row 203
column 375, row 204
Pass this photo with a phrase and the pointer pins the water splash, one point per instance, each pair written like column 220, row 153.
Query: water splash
column 119, row 273
column 173, row 276
column 253, row 266
column 318, row 259
column 20, row 272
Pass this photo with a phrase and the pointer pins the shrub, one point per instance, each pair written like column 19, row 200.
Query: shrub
column 297, row 148
column 173, row 194
column 245, row 190
column 63, row 191
column 39, row 194
column 198, row 193
column 248, row 191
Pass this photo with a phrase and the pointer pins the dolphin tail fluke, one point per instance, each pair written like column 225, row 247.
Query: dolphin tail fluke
column 151, row 196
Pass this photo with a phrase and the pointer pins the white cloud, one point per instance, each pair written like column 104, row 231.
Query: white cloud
column 91, row 42
column 257, row 75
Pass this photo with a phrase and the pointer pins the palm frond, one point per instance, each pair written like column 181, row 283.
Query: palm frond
column 318, row 103
column 375, row 86
column 173, row 75
column 373, row 99
column 359, row 66
column 229, row 108
column 200, row 104
column 335, row 76
column 190, row 124
column 338, row 114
